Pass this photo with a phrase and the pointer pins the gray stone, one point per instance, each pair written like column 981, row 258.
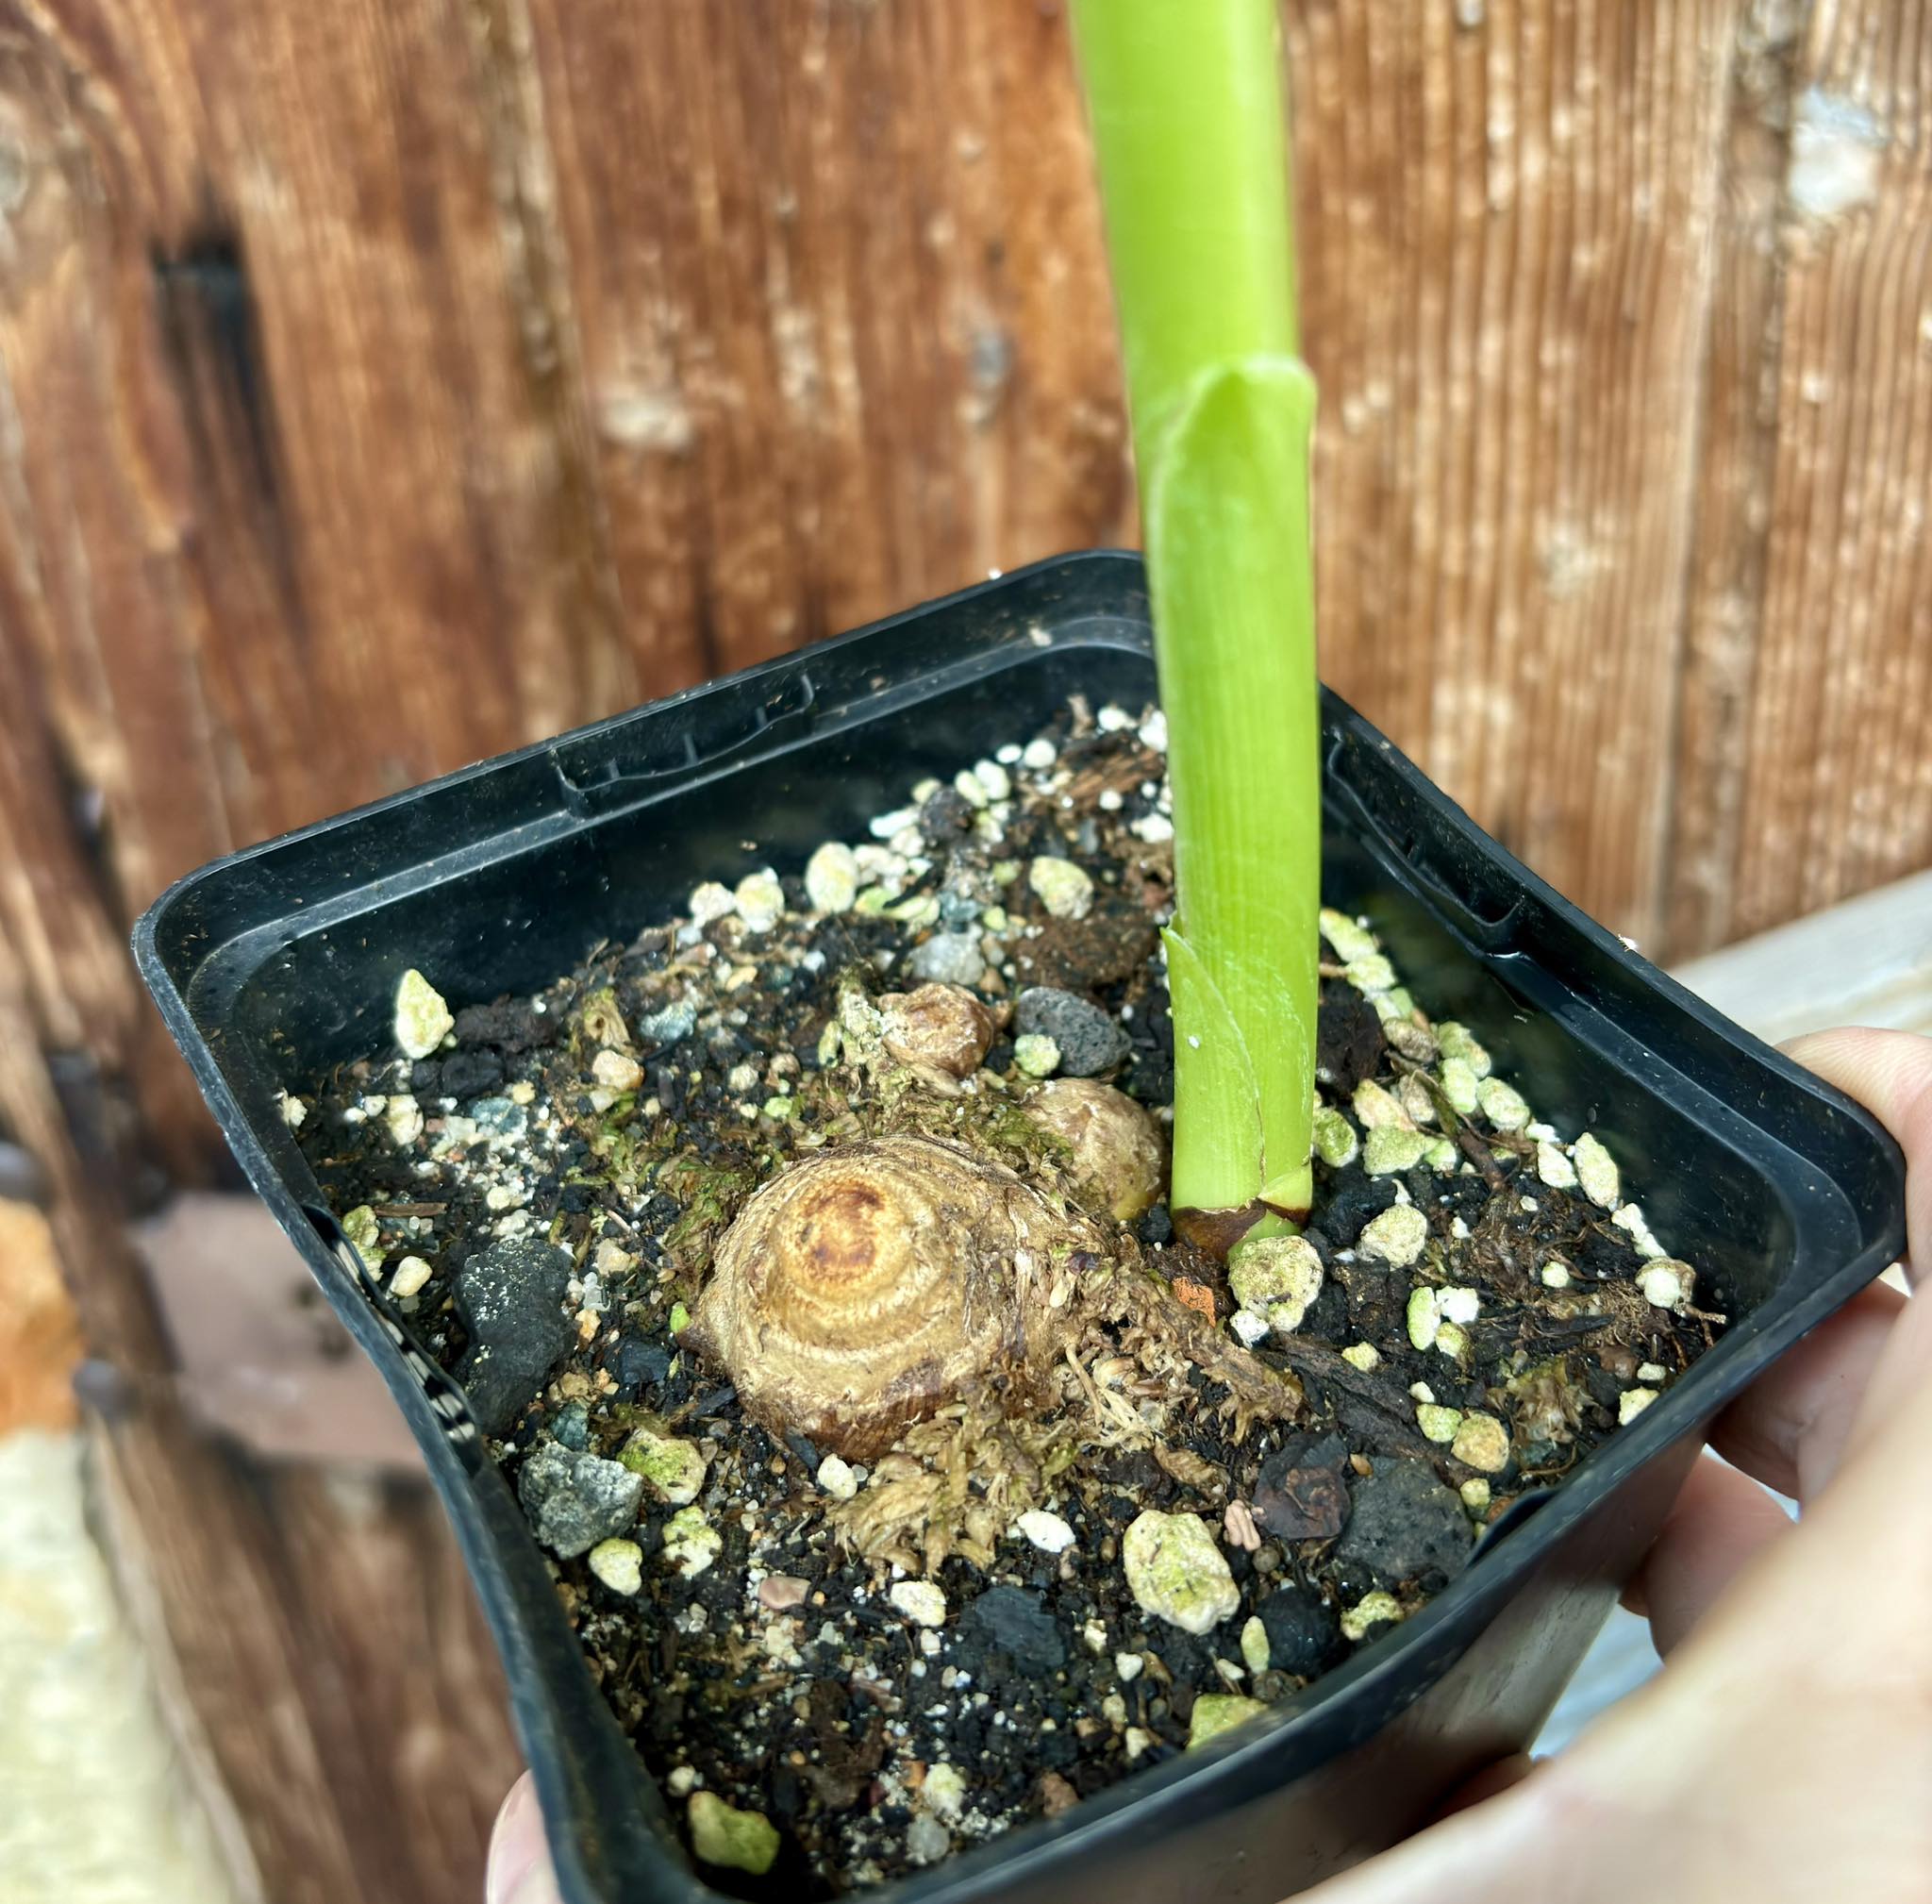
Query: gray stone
column 500, row 1118
column 575, row 1500
column 959, row 911
column 948, row 958
column 1406, row 1524
column 669, row 1024
column 511, row 1298
column 1090, row 1042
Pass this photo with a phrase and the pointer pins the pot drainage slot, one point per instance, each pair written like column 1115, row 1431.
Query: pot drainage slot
column 603, row 772
column 447, row 1401
column 1457, row 880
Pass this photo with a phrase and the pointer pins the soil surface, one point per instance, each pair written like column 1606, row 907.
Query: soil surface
column 541, row 1195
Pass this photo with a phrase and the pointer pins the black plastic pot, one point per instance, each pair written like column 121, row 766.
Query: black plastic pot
column 281, row 960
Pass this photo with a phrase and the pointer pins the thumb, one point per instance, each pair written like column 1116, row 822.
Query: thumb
column 519, row 1871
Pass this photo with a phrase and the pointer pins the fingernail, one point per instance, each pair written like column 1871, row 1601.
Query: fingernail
column 516, row 1849
column 536, row 1886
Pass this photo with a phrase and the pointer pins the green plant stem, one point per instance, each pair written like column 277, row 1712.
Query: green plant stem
column 1189, row 129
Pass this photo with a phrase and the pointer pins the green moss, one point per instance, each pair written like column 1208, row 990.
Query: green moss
column 711, row 1195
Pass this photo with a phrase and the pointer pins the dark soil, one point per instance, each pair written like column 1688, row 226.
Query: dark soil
column 552, row 1181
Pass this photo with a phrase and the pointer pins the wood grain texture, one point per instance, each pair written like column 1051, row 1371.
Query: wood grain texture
column 1836, row 792
column 326, row 1659
column 846, row 331
column 1508, row 231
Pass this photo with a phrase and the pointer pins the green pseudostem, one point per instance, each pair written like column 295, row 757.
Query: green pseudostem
column 1190, row 127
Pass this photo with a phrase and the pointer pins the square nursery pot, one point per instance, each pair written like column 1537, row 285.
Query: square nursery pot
column 280, row 961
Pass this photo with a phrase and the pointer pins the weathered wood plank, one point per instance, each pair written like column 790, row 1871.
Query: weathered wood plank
column 1835, row 794
column 846, row 328
column 1508, row 213
column 1730, row 552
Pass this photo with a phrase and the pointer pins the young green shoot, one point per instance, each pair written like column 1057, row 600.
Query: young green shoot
column 1190, row 127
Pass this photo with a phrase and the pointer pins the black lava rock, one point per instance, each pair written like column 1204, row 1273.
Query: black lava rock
column 1353, row 1198
column 1327, row 1316
column 1009, row 1620
column 1602, row 1254
column 640, row 1363
column 1377, row 1291
column 1469, row 1196
column 1405, row 1525
column 470, row 1074
column 1304, row 1635
column 511, row 1298
column 1602, row 1387
column 1091, row 1041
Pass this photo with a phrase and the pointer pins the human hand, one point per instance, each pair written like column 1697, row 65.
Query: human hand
column 1784, row 1755
column 519, row 1869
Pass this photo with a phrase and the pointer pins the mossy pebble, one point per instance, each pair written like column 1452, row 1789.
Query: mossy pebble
column 1177, row 1572
column 423, row 1021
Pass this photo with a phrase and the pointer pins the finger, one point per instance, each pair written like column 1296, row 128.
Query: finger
column 1722, row 1521
column 1790, row 1428
column 1889, row 1072
column 1488, row 1783
column 1509, row 1850
column 1898, row 1398
column 519, row 1870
